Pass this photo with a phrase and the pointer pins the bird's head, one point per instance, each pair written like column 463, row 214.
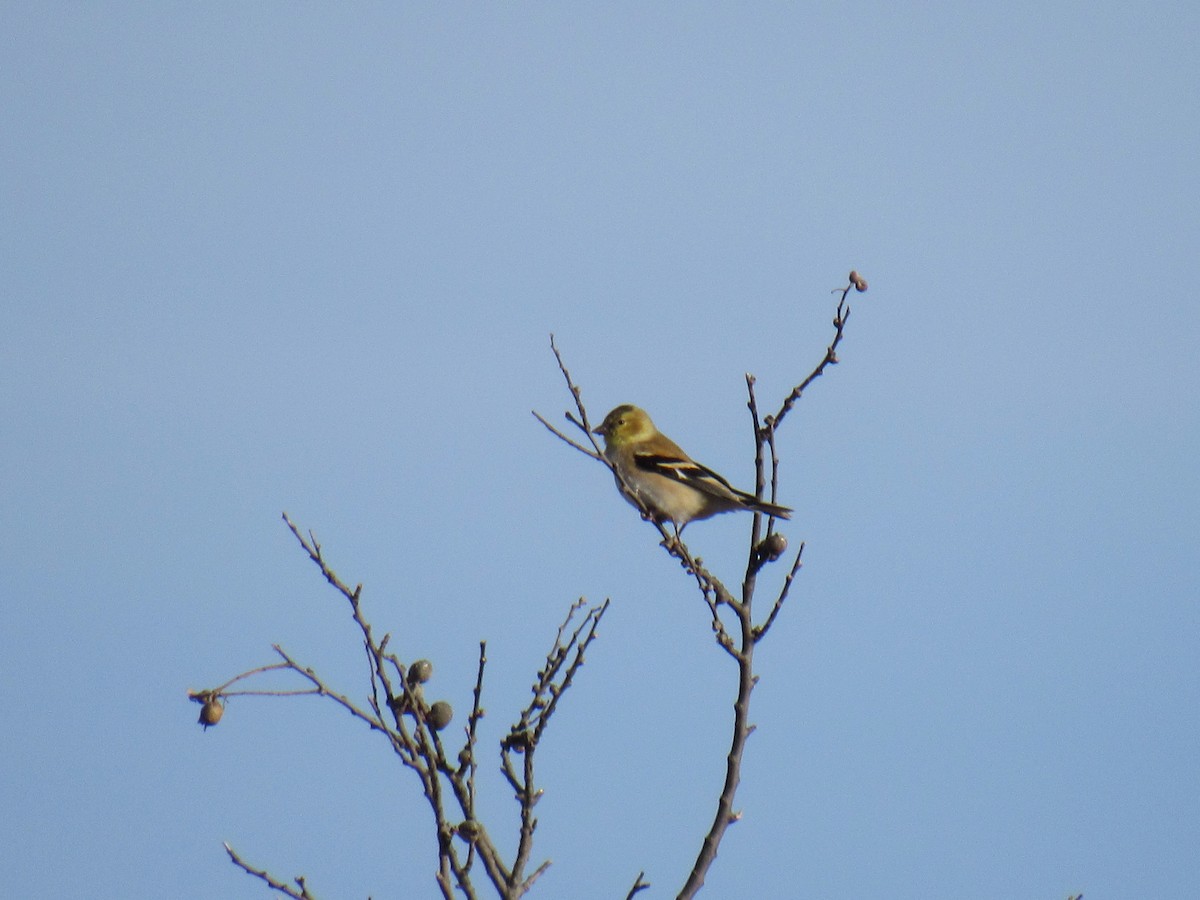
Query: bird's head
column 624, row 424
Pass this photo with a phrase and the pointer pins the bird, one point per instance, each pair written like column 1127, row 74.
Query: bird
column 669, row 484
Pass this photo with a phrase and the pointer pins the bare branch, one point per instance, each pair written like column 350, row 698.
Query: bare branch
column 582, row 422
column 763, row 434
column 468, row 757
column 760, row 552
column 742, row 729
column 321, row 688
column 580, row 640
column 416, row 740
column 563, row 660
column 759, row 479
column 223, row 690
column 528, row 883
column 839, row 324
column 712, row 590
column 761, row 630
column 638, row 885
column 313, row 549
column 274, row 883
column 582, row 449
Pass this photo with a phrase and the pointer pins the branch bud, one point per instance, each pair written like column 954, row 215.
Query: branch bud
column 517, row 740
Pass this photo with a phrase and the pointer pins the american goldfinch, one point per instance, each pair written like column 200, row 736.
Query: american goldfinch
column 668, row 482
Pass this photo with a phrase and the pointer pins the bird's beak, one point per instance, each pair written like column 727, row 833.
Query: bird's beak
column 600, row 430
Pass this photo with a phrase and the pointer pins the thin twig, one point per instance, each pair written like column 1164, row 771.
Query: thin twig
column 753, row 564
column 582, row 422
column 321, row 688
column 839, row 324
column 582, row 449
column 761, row 630
column 273, row 882
column 468, row 757
column 638, row 885
column 537, row 873
column 565, row 657
column 223, row 689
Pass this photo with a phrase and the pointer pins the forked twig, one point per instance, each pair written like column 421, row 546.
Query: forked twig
column 638, row 885
column 553, row 679
column 761, row 630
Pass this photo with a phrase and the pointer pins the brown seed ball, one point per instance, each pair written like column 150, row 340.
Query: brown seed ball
column 420, row 671
column 211, row 712
column 440, row 715
column 773, row 546
column 469, row 830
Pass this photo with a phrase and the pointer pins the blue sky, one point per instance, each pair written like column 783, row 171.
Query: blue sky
column 307, row 258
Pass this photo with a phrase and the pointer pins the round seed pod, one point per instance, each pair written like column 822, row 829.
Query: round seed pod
column 420, row 671
column 211, row 712
column 440, row 714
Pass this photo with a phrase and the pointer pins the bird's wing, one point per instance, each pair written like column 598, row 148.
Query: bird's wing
column 687, row 472
column 701, row 478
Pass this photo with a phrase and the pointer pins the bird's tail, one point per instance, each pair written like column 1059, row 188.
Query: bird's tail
column 762, row 506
